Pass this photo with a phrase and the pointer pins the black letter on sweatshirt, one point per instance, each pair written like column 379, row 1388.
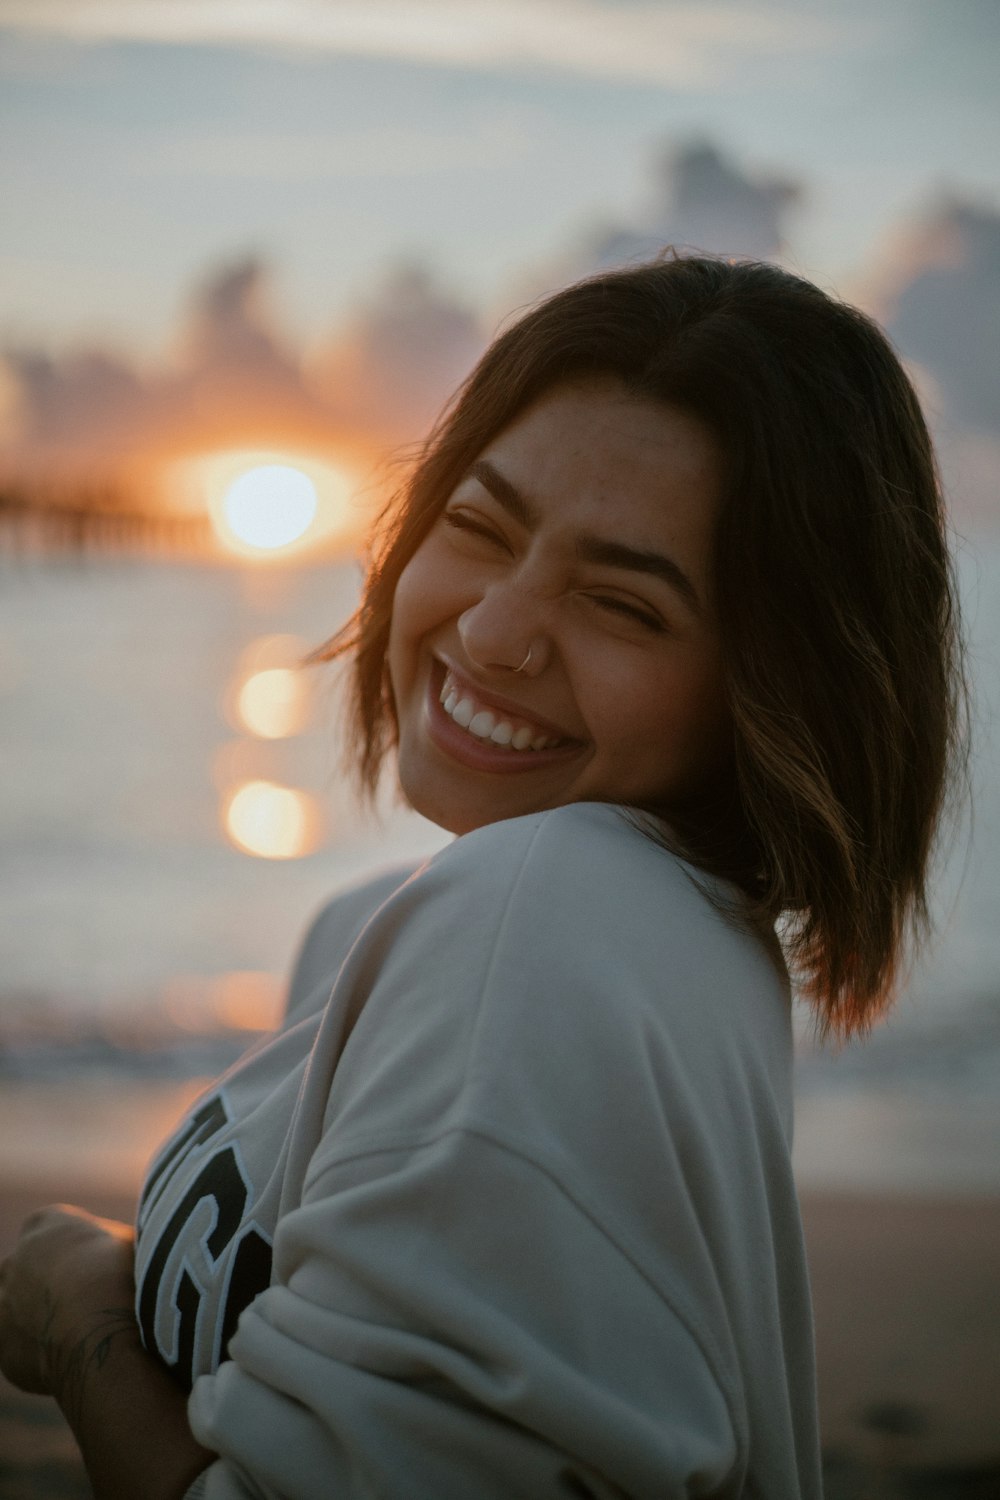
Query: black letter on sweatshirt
column 221, row 1183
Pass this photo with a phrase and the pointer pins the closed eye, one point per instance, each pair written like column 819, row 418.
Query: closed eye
column 623, row 608
column 463, row 520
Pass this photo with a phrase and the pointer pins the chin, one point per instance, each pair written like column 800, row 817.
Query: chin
column 453, row 816
column 459, row 809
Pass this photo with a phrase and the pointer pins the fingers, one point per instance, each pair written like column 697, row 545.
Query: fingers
column 69, row 1218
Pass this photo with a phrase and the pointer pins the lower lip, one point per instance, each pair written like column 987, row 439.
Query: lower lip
column 481, row 755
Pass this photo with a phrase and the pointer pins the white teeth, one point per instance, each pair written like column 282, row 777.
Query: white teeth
column 486, row 725
column 482, row 724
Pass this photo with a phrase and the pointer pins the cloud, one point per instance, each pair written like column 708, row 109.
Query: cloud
column 231, row 329
column 644, row 41
column 937, row 289
column 699, row 199
column 940, row 297
column 92, row 415
column 703, row 200
column 389, row 372
column 234, row 380
column 380, row 380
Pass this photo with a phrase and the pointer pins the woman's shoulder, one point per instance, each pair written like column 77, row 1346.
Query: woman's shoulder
column 579, row 898
column 332, row 932
column 588, row 860
column 579, row 842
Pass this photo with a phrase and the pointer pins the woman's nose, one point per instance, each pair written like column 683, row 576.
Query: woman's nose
column 501, row 632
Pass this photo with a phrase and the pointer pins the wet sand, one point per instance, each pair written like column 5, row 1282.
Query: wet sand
column 907, row 1301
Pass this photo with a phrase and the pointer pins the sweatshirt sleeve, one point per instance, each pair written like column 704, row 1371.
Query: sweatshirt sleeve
column 449, row 1323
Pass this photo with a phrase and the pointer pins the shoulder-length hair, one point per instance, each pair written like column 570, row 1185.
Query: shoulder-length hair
column 836, row 607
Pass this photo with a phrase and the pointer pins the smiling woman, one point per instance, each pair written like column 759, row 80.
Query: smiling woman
column 662, row 628
column 594, row 581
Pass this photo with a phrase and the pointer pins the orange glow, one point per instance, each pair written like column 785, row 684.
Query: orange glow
column 271, row 505
column 245, row 1000
column 244, row 759
column 273, row 651
column 274, row 703
column 248, row 1000
column 271, row 821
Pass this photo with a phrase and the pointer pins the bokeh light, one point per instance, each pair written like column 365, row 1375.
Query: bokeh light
column 274, row 703
column 248, row 1000
column 240, row 1000
column 272, row 821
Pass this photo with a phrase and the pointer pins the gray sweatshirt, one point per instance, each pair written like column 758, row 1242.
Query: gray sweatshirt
column 505, row 1209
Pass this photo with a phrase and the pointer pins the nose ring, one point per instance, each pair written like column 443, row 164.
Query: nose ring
column 525, row 662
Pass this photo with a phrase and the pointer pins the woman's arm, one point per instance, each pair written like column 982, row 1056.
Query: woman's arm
column 68, row 1330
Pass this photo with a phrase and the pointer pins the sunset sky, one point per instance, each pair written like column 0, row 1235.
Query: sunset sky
column 145, row 141
column 293, row 225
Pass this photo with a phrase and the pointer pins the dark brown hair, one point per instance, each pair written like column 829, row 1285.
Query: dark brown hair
column 835, row 601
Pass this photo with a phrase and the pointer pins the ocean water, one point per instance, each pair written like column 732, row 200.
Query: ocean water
column 124, row 905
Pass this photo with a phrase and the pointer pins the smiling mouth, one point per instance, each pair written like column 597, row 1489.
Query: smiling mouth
column 490, row 726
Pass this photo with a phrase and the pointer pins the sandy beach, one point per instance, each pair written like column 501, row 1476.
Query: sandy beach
column 907, row 1299
column 906, row 1295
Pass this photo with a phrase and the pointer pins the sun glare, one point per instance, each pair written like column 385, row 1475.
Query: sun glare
column 267, row 505
column 270, row 506
column 271, row 821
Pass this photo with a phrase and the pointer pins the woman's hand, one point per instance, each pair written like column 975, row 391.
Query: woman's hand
column 66, row 1290
column 68, row 1330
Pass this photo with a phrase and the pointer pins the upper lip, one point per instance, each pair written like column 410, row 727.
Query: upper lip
column 503, row 705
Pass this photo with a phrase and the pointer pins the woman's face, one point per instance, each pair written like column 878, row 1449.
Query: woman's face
column 553, row 638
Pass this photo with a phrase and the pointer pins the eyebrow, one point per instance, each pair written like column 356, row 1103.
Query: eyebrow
column 589, row 548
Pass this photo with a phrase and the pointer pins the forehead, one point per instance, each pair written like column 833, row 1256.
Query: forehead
column 592, row 454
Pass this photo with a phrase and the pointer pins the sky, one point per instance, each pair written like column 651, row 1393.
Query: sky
column 147, row 139
column 348, row 194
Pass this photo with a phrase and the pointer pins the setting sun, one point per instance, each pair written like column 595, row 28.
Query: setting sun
column 270, row 505
column 267, row 505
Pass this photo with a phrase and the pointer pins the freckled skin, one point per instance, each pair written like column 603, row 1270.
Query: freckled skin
column 620, row 663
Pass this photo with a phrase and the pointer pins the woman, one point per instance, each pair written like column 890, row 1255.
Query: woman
column 662, row 628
